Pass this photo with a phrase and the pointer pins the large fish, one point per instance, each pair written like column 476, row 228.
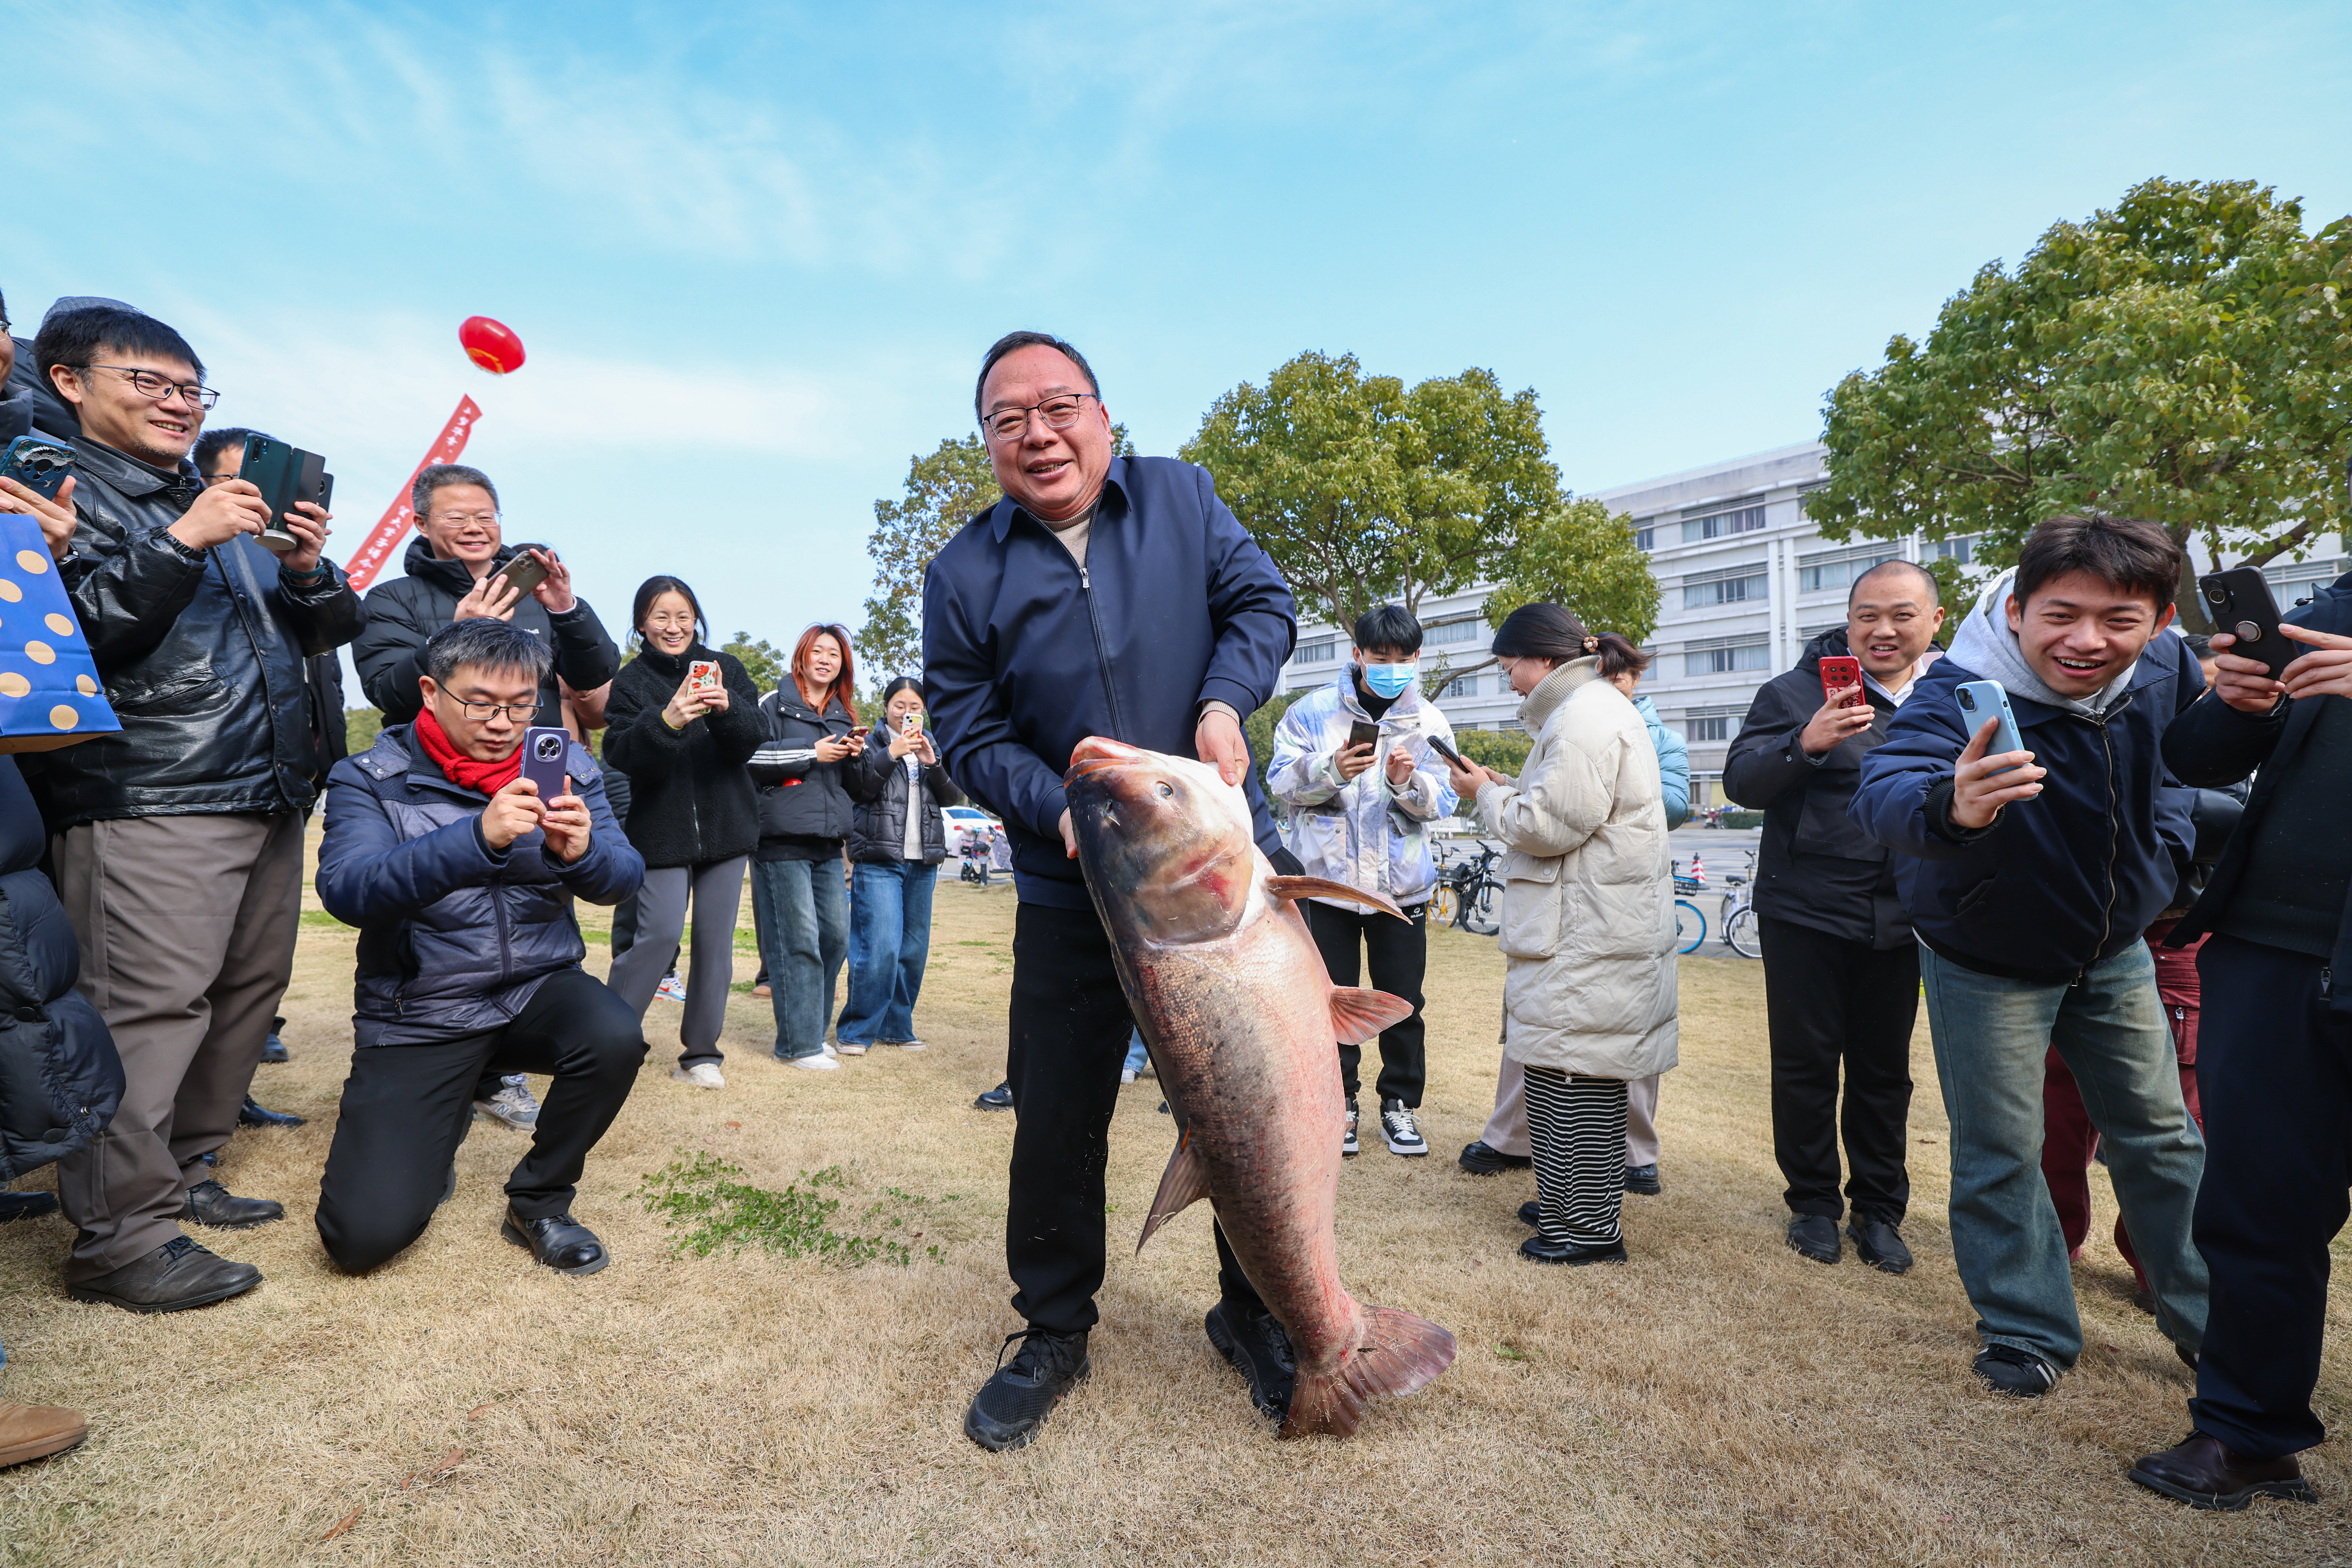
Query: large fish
column 1241, row 1016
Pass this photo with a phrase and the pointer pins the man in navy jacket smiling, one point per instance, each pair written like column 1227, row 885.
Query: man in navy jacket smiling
column 1104, row 595
column 2030, row 877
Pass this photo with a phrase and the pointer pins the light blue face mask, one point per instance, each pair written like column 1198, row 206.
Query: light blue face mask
column 1389, row 680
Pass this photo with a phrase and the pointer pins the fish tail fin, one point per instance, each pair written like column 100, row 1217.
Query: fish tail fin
column 1399, row 1354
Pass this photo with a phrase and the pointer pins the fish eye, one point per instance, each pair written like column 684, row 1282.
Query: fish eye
column 1167, row 790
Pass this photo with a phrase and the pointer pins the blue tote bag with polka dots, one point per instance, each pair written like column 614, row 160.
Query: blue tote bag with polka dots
column 49, row 694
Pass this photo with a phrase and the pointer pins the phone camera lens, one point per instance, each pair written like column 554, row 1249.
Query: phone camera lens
column 1968, row 701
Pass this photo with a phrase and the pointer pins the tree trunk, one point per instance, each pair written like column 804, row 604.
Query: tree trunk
column 2193, row 618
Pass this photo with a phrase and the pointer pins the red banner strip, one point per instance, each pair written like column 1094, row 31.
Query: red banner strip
column 377, row 548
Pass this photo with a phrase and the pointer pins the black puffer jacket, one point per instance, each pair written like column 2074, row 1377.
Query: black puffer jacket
column 804, row 812
column 201, row 656
column 404, row 612
column 876, row 782
column 691, row 796
column 59, row 1077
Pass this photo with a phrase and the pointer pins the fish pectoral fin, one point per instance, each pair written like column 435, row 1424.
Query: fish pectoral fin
column 1185, row 1180
column 1296, row 888
column 1358, row 1012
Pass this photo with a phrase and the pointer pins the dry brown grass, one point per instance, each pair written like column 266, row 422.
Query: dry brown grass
column 1719, row 1400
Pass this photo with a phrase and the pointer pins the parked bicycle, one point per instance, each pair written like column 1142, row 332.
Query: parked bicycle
column 1738, row 913
column 1467, row 888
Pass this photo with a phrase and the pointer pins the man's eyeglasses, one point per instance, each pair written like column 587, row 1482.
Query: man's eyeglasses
column 161, row 388
column 515, row 713
column 1058, row 413
column 459, row 519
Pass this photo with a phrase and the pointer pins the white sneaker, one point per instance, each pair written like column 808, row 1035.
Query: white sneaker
column 702, row 1074
column 829, row 1052
column 848, row 1048
column 1126, row 1075
column 671, row 989
column 823, row 1062
column 910, row 1045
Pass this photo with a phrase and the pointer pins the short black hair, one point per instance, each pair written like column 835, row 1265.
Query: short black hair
column 484, row 642
column 1010, row 342
column 75, row 339
column 1927, row 578
column 434, row 476
column 1389, row 625
column 212, row 443
column 2126, row 552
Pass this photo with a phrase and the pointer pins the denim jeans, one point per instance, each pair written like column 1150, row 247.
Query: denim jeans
column 1139, row 1055
column 889, row 939
column 803, row 922
column 1991, row 1038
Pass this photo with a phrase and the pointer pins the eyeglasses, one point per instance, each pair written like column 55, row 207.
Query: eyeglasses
column 515, row 713
column 161, row 388
column 459, row 519
column 1058, row 413
column 684, row 622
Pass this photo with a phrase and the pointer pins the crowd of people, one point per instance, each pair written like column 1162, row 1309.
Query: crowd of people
column 2060, row 901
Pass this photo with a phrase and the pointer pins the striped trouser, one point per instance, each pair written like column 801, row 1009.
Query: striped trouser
column 1577, row 1126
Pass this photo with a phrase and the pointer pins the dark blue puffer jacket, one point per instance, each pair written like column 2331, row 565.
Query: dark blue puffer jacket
column 59, row 1077
column 453, row 937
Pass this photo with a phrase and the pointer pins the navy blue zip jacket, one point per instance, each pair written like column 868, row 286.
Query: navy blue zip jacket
column 2059, row 882
column 454, row 935
column 1025, row 654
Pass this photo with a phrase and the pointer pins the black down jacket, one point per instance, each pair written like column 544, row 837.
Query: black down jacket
column 201, row 652
column 876, row 782
column 454, row 936
column 800, row 799
column 690, row 798
column 59, row 1077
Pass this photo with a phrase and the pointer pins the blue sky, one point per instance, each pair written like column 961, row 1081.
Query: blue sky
column 755, row 252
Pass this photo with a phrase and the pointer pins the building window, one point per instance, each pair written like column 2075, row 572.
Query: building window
column 1461, row 686
column 1733, row 585
column 1744, row 520
column 1647, row 536
column 2297, row 581
column 1962, row 550
column 1453, row 631
column 1724, row 656
column 1321, row 651
column 1716, row 729
column 1837, row 568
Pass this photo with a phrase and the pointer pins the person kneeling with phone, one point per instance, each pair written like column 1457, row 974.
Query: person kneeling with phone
column 459, row 867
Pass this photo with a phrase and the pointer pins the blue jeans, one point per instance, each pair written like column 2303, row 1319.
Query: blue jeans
column 1990, row 1035
column 803, row 920
column 1138, row 1055
column 889, row 940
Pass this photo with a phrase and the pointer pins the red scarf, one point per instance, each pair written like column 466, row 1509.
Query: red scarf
column 462, row 770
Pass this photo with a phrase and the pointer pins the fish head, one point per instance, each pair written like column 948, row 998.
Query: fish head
column 1167, row 844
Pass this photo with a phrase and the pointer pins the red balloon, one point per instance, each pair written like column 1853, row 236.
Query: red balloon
column 492, row 344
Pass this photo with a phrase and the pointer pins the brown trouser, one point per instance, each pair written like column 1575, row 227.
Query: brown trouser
column 186, row 926
column 1506, row 1129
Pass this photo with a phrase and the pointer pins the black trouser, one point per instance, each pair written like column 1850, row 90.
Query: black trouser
column 1398, row 955
column 405, row 1109
column 1829, row 1000
column 1069, row 1029
column 2274, row 1077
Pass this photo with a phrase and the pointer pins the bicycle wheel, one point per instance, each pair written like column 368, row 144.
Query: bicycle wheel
column 1444, row 905
column 1690, row 926
column 1480, row 918
column 1740, row 933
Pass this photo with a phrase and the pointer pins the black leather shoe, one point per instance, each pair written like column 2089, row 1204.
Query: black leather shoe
column 210, row 1204
column 560, row 1242
column 252, row 1113
column 997, row 1098
column 1531, row 1213
column 2205, row 1472
column 1537, row 1249
column 1259, row 1347
column 171, row 1278
column 274, row 1051
column 1014, row 1402
column 1481, row 1161
column 1878, row 1243
column 1643, row 1179
column 1815, row 1236
column 27, row 1205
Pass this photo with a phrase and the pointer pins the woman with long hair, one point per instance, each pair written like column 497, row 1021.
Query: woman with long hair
column 1588, row 915
column 895, row 845
column 693, row 816
column 797, row 891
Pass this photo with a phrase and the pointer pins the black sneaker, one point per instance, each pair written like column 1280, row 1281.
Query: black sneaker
column 1348, row 1140
column 997, row 1098
column 1259, row 1347
column 1400, row 1129
column 1879, row 1244
column 1480, row 1161
column 1643, row 1179
column 2005, row 1369
column 1012, row 1405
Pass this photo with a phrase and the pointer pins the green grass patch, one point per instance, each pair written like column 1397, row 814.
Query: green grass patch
column 702, row 1198
column 320, row 918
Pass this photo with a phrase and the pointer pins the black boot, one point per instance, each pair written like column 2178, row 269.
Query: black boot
column 1254, row 1341
column 1014, row 1403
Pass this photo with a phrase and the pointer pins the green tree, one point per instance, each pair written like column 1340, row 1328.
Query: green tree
column 1580, row 554
column 1362, row 490
column 2184, row 357
column 761, row 660
column 360, row 727
column 1505, row 751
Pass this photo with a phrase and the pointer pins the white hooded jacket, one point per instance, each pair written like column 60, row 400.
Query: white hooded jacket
column 1365, row 833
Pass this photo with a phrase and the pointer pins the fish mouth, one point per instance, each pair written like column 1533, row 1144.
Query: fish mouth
column 1098, row 753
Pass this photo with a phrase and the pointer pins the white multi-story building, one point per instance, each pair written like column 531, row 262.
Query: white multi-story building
column 1745, row 580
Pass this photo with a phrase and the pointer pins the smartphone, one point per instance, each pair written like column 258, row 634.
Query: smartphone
column 283, row 475
column 545, row 750
column 524, row 571
column 314, row 484
column 1363, row 733
column 40, row 464
column 1838, row 672
column 1983, row 699
column 1448, row 753
column 702, row 675
column 914, row 721
column 2240, row 604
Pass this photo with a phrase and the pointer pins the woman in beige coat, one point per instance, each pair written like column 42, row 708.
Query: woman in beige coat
column 1587, row 924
